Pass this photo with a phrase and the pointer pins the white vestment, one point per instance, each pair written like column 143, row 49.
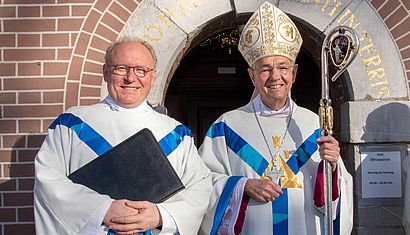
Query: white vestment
column 235, row 146
column 62, row 207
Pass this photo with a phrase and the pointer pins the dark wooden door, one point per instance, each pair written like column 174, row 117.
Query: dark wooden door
column 209, row 82
column 212, row 80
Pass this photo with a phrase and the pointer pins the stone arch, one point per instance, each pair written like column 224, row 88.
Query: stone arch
column 172, row 27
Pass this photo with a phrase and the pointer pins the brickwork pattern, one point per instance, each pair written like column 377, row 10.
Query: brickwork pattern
column 51, row 52
column 51, row 56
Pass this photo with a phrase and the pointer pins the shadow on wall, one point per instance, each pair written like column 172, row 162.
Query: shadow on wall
column 388, row 123
column 17, row 214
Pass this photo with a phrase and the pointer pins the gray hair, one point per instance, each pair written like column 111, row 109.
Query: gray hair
column 122, row 40
column 292, row 63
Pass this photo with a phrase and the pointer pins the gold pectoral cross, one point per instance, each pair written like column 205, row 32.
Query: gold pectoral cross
column 272, row 172
column 275, row 174
column 288, row 179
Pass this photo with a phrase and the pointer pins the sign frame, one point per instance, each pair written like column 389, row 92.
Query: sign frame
column 374, row 149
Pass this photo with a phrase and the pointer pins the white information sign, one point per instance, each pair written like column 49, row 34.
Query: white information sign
column 381, row 174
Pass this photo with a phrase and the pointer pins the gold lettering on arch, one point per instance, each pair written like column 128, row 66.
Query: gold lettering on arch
column 164, row 20
column 382, row 92
column 370, row 57
column 349, row 21
column 372, row 61
column 332, row 11
column 181, row 8
column 376, row 73
column 153, row 33
column 184, row 10
column 194, row 4
column 325, row 5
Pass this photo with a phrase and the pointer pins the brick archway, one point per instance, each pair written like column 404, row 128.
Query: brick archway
column 103, row 24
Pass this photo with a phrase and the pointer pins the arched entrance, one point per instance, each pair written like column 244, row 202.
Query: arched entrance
column 212, row 78
column 376, row 78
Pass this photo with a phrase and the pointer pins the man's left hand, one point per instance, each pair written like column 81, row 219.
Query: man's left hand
column 329, row 150
column 148, row 218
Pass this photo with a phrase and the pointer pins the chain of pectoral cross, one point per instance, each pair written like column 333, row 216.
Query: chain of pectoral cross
column 273, row 171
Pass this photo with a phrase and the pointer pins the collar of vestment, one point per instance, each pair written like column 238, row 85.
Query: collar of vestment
column 110, row 103
column 263, row 110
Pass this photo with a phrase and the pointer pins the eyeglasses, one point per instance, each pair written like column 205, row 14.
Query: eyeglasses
column 266, row 71
column 124, row 70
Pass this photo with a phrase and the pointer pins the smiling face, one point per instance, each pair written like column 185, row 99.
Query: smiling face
column 129, row 91
column 273, row 77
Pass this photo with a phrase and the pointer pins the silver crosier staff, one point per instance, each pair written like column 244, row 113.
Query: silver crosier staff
column 342, row 44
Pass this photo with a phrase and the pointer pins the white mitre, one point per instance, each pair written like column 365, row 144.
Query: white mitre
column 269, row 32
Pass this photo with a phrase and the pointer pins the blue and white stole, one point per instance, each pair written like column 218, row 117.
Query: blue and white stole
column 99, row 145
column 256, row 161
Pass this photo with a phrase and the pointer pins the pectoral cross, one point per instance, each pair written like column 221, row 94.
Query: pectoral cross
column 274, row 174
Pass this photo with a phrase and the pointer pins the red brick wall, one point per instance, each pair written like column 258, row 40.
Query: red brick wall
column 51, row 54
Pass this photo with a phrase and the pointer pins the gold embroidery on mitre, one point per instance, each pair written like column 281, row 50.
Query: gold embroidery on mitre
column 277, row 35
column 268, row 24
column 288, row 30
column 289, row 180
column 251, row 34
column 248, row 37
column 276, row 141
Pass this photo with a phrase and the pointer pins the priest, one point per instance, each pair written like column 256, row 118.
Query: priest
column 267, row 157
column 83, row 133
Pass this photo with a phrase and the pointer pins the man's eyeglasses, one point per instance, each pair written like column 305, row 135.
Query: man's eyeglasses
column 266, row 71
column 124, row 70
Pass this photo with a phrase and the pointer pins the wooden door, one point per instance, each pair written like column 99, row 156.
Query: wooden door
column 208, row 83
column 212, row 80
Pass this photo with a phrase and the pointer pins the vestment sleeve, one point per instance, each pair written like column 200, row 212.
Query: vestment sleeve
column 214, row 152
column 60, row 206
column 188, row 206
column 342, row 195
column 168, row 223
column 319, row 193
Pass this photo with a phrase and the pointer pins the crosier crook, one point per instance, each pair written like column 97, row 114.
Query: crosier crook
column 343, row 49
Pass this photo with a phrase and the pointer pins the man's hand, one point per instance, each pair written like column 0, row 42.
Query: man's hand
column 329, row 150
column 118, row 208
column 262, row 190
column 147, row 218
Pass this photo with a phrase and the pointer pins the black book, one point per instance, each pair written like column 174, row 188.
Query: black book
column 136, row 169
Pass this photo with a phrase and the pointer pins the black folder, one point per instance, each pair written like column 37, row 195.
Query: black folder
column 136, row 169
